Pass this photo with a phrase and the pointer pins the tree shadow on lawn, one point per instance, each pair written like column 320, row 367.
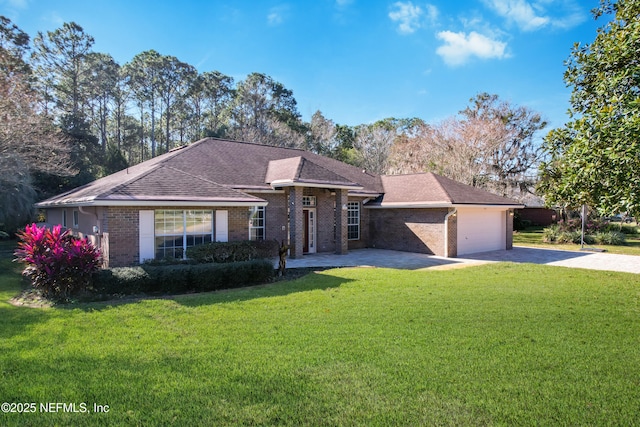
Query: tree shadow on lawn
column 313, row 279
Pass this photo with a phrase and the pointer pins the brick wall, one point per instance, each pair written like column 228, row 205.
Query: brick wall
column 325, row 219
column 509, row 231
column 121, row 225
column 275, row 216
column 452, row 232
column 412, row 230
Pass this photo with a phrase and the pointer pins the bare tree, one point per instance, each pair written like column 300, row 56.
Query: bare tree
column 28, row 144
column 492, row 146
column 322, row 137
column 373, row 144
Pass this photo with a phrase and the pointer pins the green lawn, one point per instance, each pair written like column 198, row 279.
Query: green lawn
column 500, row 344
column 532, row 236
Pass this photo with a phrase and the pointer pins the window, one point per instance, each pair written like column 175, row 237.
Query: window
column 353, row 220
column 64, row 218
column 177, row 230
column 76, row 219
column 308, row 201
column 256, row 223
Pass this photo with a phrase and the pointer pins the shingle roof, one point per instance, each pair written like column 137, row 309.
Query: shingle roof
column 429, row 189
column 217, row 171
column 298, row 170
column 214, row 170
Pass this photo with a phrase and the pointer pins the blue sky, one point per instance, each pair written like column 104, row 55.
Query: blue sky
column 356, row 61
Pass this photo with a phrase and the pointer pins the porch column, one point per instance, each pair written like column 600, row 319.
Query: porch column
column 342, row 241
column 296, row 226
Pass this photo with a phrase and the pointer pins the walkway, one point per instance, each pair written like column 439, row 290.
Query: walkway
column 414, row 261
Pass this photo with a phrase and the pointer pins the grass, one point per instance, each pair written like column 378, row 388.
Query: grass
column 500, row 344
column 532, row 236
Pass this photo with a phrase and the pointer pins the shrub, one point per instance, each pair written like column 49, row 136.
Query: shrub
column 622, row 228
column 550, row 234
column 569, row 237
column 181, row 278
column 123, row 280
column 58, row 263
column 609, row 238
column 223, row 252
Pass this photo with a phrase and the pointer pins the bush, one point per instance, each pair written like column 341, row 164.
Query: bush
column 609, row 238
column 123, row 280
column 569, row 237
column 59, row 264
column 181, row 278
column 224, row 252
column 559, row 234
column 622, row 228
column 550, row 234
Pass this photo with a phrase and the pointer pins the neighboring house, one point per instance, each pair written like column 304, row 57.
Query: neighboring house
column 220, row 190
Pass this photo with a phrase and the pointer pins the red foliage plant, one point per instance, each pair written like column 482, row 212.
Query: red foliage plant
column 58, row 263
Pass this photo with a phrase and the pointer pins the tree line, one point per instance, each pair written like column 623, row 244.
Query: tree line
column 71, row 115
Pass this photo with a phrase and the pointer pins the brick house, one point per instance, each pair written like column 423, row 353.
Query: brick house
column 221, row 190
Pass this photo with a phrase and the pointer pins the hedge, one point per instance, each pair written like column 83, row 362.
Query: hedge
column 151, row 279
column 225, row 252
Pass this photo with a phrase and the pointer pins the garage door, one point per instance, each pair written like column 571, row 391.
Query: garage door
column 481, row 230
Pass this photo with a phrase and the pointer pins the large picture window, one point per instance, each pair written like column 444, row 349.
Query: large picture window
column 177, row 230
column 353, row 220
column 256, row 223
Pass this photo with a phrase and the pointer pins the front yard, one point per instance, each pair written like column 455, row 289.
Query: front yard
column 500, row 344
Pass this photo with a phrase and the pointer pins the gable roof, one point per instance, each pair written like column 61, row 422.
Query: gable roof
column 216, row 172
column 298, row 170
column 431, row 190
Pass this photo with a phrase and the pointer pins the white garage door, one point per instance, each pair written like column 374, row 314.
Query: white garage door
column 481, row 230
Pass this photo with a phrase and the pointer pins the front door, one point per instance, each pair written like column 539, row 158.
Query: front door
column 309, row 232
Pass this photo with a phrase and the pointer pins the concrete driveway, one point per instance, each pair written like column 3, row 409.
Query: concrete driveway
column 414, row 261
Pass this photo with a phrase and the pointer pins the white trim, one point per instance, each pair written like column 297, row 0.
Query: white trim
column 221, row 225
column 153, row 203
column 146, row 235
column 291, row 183
column 359, row 224
column 419, row 205
column 312, row 227
column 258, row 190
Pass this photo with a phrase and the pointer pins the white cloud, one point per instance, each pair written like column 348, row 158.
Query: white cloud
column 407, row 16
column 274, row 18
column 276, row 15
column 458, row 48
column 521, row 12
column 18, row 4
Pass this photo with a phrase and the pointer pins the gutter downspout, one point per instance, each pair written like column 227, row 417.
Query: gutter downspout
column 446, row 230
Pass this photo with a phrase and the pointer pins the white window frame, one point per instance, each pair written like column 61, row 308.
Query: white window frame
column 64, row 218
column 182, row 229
column 76, row 218
column 257, row 223
column 309, row 201
column 353, row 219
